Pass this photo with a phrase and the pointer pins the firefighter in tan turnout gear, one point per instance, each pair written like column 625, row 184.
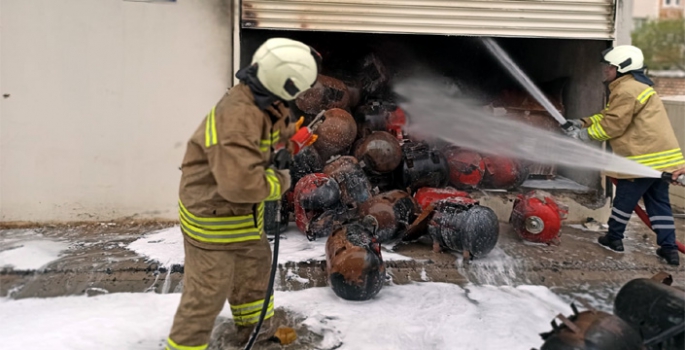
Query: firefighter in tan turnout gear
column 637, row 127
column 226, row 180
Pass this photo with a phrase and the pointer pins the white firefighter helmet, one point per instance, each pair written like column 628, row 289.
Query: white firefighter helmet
column 286, row 67
column 624, row 57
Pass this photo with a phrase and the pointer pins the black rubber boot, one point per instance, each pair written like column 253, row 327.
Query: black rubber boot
column 671, row 256
column 615, row 245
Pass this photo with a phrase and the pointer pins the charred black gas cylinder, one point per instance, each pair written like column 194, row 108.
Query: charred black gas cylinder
column 304, row 163
column 354, row 262
column 471, row 229
column 394, row 211
column 324, row 224
column 655, row 309
column 423, row 166
column 591, row 330
column 354, row 185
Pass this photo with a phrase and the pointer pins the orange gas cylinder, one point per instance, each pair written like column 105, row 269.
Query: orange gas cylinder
column 427, row 196
column 537, row 216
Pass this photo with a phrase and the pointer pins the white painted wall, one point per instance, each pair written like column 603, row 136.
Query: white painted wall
column 103, row 95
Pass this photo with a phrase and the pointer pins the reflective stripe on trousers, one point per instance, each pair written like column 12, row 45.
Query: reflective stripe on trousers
column 222, row 229
column 247, row 314
column 171, row 345
column 654, row 193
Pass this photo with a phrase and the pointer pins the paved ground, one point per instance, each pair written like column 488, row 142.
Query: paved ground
column 97, row 261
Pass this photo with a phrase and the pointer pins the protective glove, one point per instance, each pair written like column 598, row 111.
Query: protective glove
column 282, row 159
column 303, row 137
column 578, row 134
column 577, row 123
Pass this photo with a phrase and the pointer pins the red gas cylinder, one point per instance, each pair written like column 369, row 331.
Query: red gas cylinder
column 502, row 173
column 314, row 194
column 397, row 121
column 536, row 217
column 466, row 167
column 427, row 196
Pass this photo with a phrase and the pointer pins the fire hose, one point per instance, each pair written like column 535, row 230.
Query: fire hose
column 281, row 160
column 511, row 67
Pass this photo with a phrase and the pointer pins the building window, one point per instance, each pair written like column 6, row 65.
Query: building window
column 667, row 2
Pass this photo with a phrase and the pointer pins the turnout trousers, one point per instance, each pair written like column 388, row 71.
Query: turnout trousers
column 654, row 193
column 239, row 273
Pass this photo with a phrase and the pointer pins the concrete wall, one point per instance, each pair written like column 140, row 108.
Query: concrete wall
column 100, row 99
column 675, row 107
column 646, row 8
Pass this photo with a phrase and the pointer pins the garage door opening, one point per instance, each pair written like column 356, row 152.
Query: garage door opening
column 567, row 70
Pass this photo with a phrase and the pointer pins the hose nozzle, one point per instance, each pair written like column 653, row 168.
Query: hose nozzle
column 669, row 177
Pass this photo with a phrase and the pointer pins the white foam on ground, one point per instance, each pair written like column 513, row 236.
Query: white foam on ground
column 166, row 247
column 31, row 254
column 418, row 316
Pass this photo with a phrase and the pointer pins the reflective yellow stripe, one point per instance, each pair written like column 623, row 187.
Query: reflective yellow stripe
column 248, row 308
column 260, row 217
column 224, row 229
column 274, row 185
column 171, row 345
column 661, row 160
column 668, row 165
column 210, row 129
column 252, row 318
column 657, row 154
column 645, row 95
column 596, row 118
column 596, row 131
column 216, row 222
column 220, row 236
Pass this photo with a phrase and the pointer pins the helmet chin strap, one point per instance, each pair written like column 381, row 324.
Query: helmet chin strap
column 263, row 98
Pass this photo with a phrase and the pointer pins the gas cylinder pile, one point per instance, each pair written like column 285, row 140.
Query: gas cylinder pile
column 648, row 314
column 361, row 182
column 366, row 181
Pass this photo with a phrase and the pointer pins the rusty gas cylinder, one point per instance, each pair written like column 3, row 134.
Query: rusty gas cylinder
column 354, row 262
column 654, row 309
column 306, row 162
column 536, row 217
column 470, row 229
column 379, row 152
column 335, row 134
column 466, row 167
column 427, row 196
column 592, row 329
column 354, row 185
column 503, row 173
column 394, row 211
column 314, row 193
column 327, row 93
column 423, row 166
